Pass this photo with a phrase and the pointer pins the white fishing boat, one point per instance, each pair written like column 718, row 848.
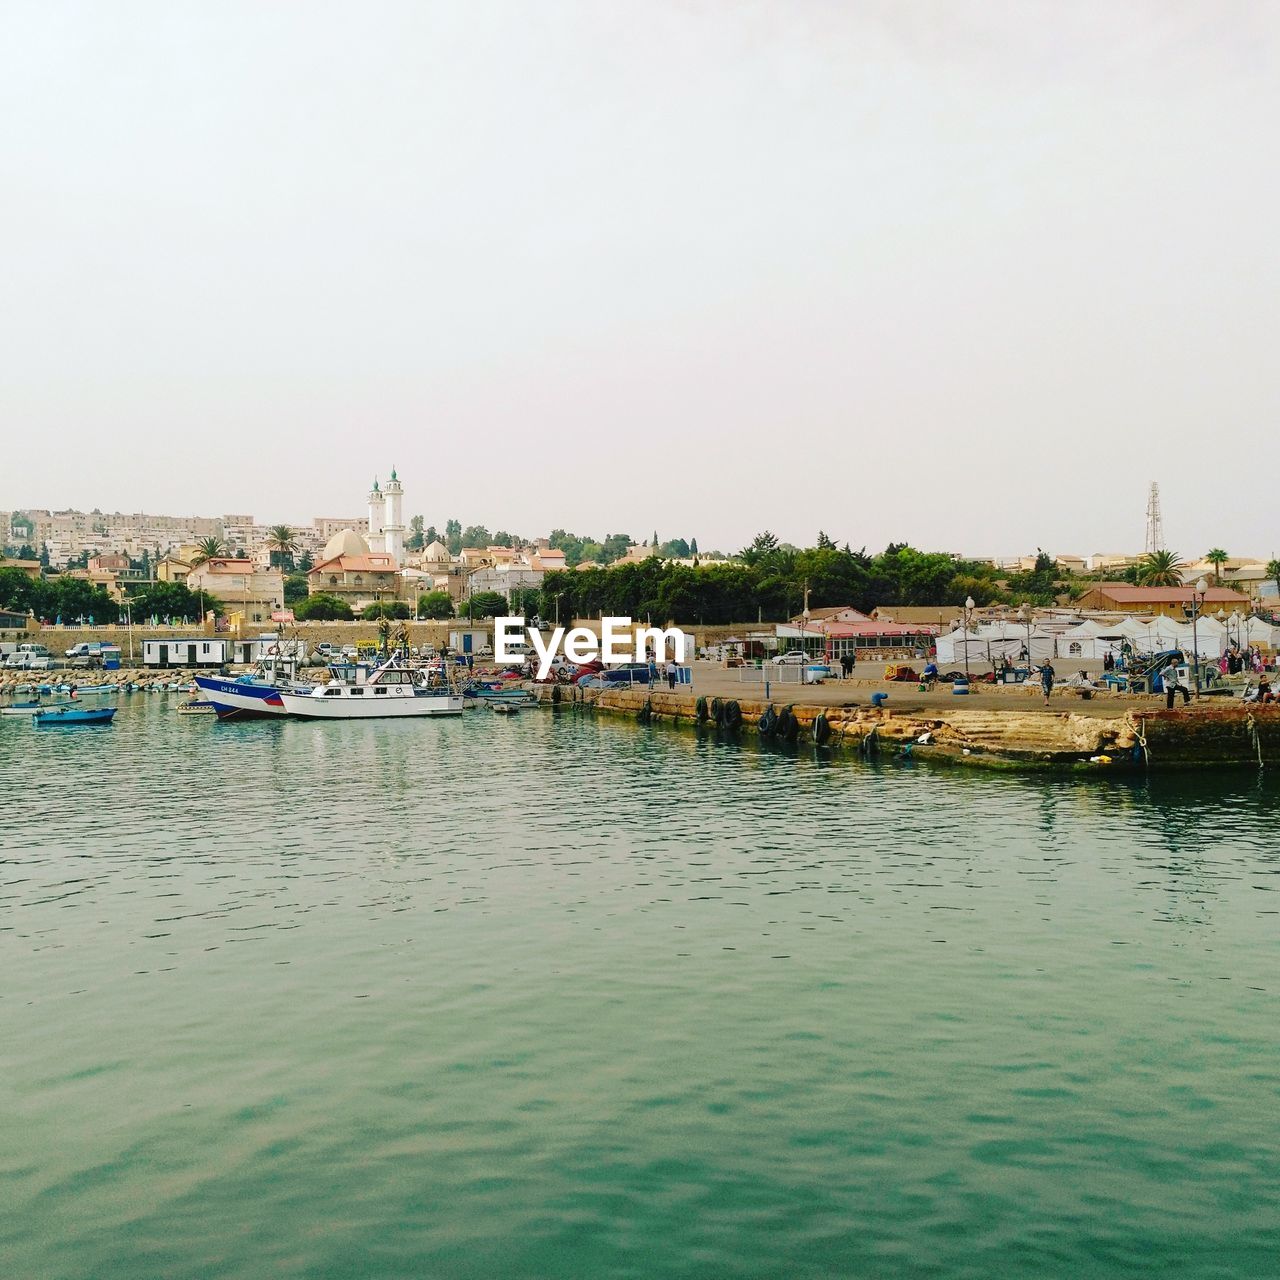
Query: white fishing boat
column 390, row 690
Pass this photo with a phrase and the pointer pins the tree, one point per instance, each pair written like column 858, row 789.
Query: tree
column 172, row 600
column 1160, row 569
column 386, row 609
column 1273, row 570
column 693, row 547
column 416, row 539
column 295, row 588
column 208, row 549
column 44, row 556
column 453, row 536
column 1217, row 557
column 763, row 545
column 435, row 604
column 323, row 607
column 484, row 604
column 475, row 535
column 305, row 563
column 283, row 544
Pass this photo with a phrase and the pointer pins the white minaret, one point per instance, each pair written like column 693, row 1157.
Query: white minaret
column 394, row 526
column 377, row 521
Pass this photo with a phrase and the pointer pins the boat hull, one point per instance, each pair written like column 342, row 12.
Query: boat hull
column 308, row 707
column 240, row 701
column 59, row 717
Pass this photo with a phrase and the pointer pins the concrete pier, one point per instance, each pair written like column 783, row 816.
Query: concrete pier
column 1130, row 737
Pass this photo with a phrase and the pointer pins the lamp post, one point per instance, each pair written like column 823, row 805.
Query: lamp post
column 968, row 619
column 1197, row 603
column 1024, row 614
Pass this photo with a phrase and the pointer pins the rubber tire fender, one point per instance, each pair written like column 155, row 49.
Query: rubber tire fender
column 821, row 729
column 732, row 715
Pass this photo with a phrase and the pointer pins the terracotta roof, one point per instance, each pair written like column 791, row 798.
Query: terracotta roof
column 1127, row 594
column 373, row 563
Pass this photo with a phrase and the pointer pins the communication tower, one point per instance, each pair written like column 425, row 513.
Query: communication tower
column 1155, row 525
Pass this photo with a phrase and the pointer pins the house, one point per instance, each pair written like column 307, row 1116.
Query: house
column 349, row 570
column 30, row 567
column 241, row 586
column 173, row 569
column 942, row 616
column 839, row 613
column 1166, row 602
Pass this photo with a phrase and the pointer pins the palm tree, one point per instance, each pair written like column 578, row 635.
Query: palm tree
column 208, row 549
column 1273, row 570
column 1160, row 569
column 282, row 543
column 1217, row 557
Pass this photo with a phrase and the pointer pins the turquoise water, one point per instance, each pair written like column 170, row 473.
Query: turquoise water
column 550, row 996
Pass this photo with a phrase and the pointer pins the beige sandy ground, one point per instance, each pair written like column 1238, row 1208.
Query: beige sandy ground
column 716, row 681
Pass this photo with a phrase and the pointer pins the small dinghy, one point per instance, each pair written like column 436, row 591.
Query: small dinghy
column 194, row 707
column 73, row 715
column 504, row 708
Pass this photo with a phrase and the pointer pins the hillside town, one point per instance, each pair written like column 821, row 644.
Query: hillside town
column 348, row 567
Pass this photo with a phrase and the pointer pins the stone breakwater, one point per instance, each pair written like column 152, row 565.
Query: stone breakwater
column 1231, row 736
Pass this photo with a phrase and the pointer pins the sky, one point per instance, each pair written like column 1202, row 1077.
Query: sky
column 969, row 275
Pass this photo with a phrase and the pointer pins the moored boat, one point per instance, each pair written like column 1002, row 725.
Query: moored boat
column 392, row 690
column 73, row 715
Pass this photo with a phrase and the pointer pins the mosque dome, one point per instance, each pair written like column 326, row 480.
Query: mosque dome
column 346, row 542
column 435, row 552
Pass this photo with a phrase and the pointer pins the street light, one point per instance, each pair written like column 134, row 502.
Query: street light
column 968, row 619
column 1197, row 603
column 1024, row 613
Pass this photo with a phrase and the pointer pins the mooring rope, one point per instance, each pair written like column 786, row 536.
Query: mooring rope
column 1252, row 726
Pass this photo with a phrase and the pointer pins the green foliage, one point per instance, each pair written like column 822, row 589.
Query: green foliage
column 484, row 604
column 769, row 583
column 453, row 536
column 172, row 600
column 1273, row 570
column 295, row 588
column 1217, row 557
column 323, row 607
column 283, row 543
column 386, row 609
column 435, row 604
column 1160, row 569
column 208, row 549
column 70, row 599
column 476, row 535
column 577, row 549
column 416, row 539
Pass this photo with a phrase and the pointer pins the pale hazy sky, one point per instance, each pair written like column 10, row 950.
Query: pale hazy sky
column 969, row 275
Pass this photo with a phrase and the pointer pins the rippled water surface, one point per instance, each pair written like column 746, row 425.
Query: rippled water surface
column 549, row 996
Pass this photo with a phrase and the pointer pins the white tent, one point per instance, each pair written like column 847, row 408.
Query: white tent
column 990, row 643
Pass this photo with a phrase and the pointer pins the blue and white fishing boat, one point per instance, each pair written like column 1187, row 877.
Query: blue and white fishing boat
column 249, row 697
column 48, row 716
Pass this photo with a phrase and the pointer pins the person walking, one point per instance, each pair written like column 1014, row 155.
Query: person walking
column 1047, row 675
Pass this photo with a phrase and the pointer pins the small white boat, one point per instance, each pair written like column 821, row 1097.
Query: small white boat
column 392, row 690
column 504, row 708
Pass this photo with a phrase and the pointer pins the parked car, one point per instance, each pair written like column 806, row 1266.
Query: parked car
column 794, row 658
column 325, row 649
